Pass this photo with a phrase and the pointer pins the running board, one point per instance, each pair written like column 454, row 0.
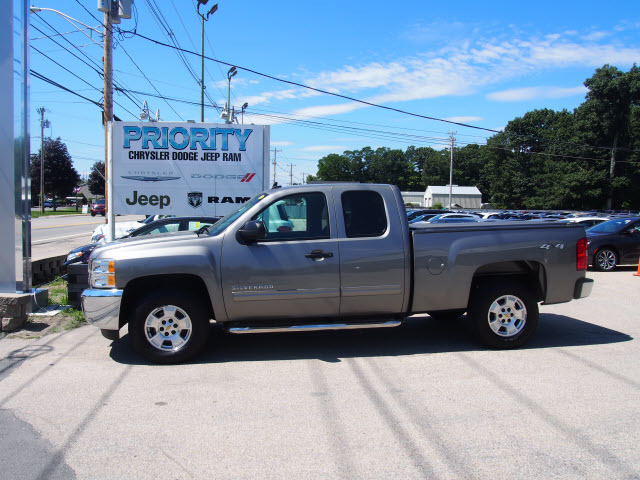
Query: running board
column 315, row 327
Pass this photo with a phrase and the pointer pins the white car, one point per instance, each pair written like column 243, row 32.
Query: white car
column 586, row 222
column 122, row 228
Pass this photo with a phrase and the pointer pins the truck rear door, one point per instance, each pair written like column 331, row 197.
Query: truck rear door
column 373, row 250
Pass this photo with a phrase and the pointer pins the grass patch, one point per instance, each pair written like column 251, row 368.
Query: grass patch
column 60, row 211
column 76, row 319
column 58, row 293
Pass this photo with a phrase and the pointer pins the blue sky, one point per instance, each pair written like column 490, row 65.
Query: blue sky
column 481, row 63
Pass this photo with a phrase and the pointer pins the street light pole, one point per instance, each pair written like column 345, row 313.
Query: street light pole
column 244, row 107
column 203, row 19
column 230, row 74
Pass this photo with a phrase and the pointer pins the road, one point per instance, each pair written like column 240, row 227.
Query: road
column 418, row 401
column 57, row 235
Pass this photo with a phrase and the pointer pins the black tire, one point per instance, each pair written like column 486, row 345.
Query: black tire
column 503, row 313
column 186, row 335
column 446, row 315
column 605, row 260
column 93, row 214
column 103, row 214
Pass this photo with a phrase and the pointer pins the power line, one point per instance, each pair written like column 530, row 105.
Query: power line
column 48, row 80
column 356, row 100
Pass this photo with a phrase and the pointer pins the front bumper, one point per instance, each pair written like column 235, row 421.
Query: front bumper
column 101, row 308
column 583, row 288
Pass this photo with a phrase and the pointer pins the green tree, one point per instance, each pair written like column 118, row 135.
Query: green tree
column 608, row 119
column 96, row 179
column 60, row 178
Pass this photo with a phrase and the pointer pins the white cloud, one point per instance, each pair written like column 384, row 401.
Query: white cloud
column 324, row 148
column 323, row 110
column 463, row 67
column 531, row 93
column 281, row 144
column 464, row 119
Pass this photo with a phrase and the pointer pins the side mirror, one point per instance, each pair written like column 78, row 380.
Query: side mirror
column 252, row 232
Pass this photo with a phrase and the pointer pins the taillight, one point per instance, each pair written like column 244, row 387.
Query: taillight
column 582, row 257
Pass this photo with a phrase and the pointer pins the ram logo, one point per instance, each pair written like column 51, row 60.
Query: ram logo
column 195, row 199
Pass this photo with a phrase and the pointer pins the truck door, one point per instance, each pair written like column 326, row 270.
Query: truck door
column 373, row 251
column 294, row 271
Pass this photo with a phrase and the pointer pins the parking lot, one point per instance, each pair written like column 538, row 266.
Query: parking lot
column 419, row 401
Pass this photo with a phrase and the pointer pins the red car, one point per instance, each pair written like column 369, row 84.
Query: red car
column 98, row 207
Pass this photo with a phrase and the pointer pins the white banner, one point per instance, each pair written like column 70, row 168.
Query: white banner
column 187, row 168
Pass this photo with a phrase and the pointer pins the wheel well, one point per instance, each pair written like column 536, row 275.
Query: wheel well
column 140, row 286
column 532, row 274
column 610, row 247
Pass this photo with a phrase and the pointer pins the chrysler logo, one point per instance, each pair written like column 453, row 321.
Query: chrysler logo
column 143, row 178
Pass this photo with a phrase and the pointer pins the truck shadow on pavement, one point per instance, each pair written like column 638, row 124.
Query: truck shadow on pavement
column 422, row 335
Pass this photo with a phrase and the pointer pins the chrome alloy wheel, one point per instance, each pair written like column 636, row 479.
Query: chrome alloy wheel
column 507, row 316
column 606, row 259
column 168, row 328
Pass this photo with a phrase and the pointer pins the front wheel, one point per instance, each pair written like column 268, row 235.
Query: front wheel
column 605, row 260
column 503, row 313
column 93, row 214
column 169, row 326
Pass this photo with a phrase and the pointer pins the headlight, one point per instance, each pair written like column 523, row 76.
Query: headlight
column 73, row 256
column 102, row 273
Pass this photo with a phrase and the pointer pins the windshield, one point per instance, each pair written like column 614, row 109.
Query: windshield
column 221, row 225
column 612, row 226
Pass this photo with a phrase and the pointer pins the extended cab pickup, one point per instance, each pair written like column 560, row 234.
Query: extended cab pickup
column 330, row 256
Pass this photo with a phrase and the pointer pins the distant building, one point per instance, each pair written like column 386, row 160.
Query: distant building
column 416, row 198
column 461, row 197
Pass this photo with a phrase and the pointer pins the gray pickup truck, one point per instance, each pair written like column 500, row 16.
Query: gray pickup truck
column 330, row 257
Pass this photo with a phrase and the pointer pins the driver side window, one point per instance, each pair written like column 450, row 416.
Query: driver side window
column 296, row 217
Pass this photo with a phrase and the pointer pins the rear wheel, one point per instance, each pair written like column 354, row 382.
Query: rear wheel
column 605, row 260
column 169, row 326
column 503, row 313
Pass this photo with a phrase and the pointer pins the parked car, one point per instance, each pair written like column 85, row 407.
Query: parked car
column 123, row 228
column 615, row 242
column 164, row 225
column 98, row 207
column 413, row 214
column 454, row 218
column 422, row 218
column 587, row 222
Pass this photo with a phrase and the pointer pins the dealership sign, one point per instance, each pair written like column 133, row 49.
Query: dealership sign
column 187, row 168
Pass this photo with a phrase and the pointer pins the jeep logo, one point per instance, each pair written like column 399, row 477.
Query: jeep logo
column 153, row 200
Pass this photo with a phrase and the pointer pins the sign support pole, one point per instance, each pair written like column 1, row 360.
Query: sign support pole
column 111, row 216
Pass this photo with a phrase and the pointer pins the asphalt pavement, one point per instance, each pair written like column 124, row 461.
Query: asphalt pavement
column 419, row 401
column 58, row 234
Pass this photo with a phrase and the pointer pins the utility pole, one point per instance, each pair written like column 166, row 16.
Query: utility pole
column 275, row 153
column 108, row 99
column 612, row 169
column 452, row 139
column 42, row 122
column 302, row 178
column 291, row 165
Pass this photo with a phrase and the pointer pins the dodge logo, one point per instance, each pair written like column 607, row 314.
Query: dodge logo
column 195, row 199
